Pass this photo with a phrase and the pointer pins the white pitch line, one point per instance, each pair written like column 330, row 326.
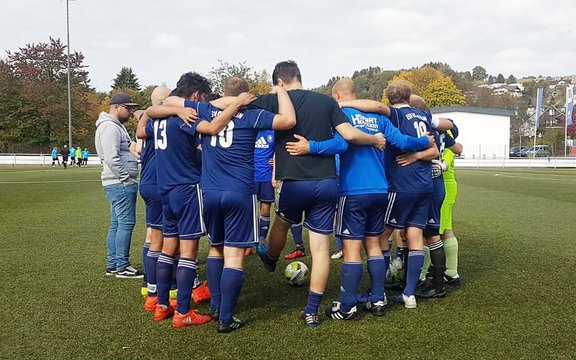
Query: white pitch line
column 530, row 178
column 47, row 182
column 29, row 171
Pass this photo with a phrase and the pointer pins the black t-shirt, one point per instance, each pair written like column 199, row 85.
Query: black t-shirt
column 316, row 117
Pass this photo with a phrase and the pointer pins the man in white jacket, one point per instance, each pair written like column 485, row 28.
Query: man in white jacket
column 119, row 174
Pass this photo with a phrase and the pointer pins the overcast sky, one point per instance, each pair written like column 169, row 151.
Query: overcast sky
column 162, row 39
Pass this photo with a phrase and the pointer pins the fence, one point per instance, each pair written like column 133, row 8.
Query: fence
column 477, row 162
column 37, row 159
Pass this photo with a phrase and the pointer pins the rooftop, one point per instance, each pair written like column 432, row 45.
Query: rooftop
column 473, row 110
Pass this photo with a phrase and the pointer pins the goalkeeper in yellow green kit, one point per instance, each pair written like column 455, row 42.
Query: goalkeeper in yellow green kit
column 451, row 275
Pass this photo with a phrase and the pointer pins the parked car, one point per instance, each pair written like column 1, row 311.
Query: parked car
column 538, row 151
column 515, row 151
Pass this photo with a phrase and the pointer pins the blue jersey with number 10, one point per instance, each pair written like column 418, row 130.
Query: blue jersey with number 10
column 417, row 177
column 228, row 158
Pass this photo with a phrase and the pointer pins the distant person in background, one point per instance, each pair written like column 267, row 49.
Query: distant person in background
column 72, row 156
column 79, row 158
column 64, row 154
column 119, row 174
column 85, row 155
column 55, row 156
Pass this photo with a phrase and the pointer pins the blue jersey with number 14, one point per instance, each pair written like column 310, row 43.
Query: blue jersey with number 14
column 417, row 177
column 228, row 158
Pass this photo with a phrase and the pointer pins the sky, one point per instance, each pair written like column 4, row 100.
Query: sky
column 160, row 40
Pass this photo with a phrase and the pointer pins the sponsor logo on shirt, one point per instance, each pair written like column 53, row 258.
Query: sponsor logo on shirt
column 261, row 143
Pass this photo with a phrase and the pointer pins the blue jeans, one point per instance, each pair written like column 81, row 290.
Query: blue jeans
column 122, row 199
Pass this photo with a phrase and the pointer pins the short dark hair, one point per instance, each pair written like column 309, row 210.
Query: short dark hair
column 287, row 71
column 234, row 86
column 191, row 82
column 212, row 96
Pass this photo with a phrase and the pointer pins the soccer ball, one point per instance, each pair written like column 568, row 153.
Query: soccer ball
column 296, row 273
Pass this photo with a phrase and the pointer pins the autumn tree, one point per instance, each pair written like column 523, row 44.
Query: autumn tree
column 437, row 89
column 259, row 82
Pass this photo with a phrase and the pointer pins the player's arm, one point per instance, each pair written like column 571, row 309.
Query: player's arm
column 286, row 117
column 403, row 141
column 140, row 115
column 329, row 147
column 367, row 106
column 355, row 136
column 441, row 123
column 217, row 124
column 425, row 155
column 457, row 148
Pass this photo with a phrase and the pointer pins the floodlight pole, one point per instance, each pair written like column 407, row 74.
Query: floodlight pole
column 68, row 62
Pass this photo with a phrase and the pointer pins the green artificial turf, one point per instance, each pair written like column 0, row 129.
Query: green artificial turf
column 517, row 250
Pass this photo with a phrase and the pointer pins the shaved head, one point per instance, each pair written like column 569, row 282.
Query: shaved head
column 418, row 103
column 159, row 94
column 344, row 89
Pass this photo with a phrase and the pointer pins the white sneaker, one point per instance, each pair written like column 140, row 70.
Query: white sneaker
column 337, row 255
column 398, row 264
column 409, row 301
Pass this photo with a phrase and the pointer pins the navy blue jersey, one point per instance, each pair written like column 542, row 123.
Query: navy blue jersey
column 177, row 162
column 263, row 152
column 362, row 169
column 228, row 158
column 417, row 177
column 148, row 156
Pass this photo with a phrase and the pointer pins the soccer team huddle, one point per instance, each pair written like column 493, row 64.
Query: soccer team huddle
column 206, row 166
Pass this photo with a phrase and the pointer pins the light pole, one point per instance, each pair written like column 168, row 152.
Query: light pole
column 68, row 62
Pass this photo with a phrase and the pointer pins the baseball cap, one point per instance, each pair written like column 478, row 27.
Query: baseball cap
column 122, row 99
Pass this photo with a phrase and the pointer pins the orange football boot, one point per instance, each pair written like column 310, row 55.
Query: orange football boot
column 190, row 318
column 201, row 293
column 162, row 312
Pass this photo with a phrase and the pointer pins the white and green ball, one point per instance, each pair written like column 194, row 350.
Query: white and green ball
column 296, row 273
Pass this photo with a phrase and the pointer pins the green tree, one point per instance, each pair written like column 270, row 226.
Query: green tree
column 500, row 79
column 126, row 79
column 479, row 73
column 259, row 82
column 511, row 79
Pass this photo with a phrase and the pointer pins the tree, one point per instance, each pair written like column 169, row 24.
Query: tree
column 479, row 73
column 511, row 79
column 500, row 79
column 491, row 79
column 437, row 89
column 126, row 79
column 258, row 81
column 33, row 82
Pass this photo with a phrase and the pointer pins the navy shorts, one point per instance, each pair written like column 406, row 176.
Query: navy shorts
column 361, row 215
column 182, row 210
column 231, row 218
column 315, row 198
column 433, row 222
column 407, row 210
column 153, row 201
column 264, row 191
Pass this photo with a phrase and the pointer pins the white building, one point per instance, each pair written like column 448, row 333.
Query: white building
column 483, row 132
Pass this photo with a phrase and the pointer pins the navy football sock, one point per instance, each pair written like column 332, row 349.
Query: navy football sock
column 151, row 264
column 145, row 250
column 214, row 267
column 415, row 262
column 297, row 234
column 164, row 275
column 351, row 275
column 263, row 226
column 231, row 284
column 185, row 276
column 314, row 300
column 377, row 271
column 386, row 255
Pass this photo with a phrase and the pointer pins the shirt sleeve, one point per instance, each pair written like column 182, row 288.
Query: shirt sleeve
column 435, row 121
column 401, row 141
column 190, row 130
column 333, row 146
column 337, row 117
column 267, row 102
column 149, row 130
column 261, row 119
column 448, row 141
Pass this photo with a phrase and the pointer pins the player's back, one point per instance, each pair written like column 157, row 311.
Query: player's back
column 263, row 152
column 316, row 117
column 228, row 158
column 416, row 177
column 148, row 158
column 177, row 162
column 362, row 167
